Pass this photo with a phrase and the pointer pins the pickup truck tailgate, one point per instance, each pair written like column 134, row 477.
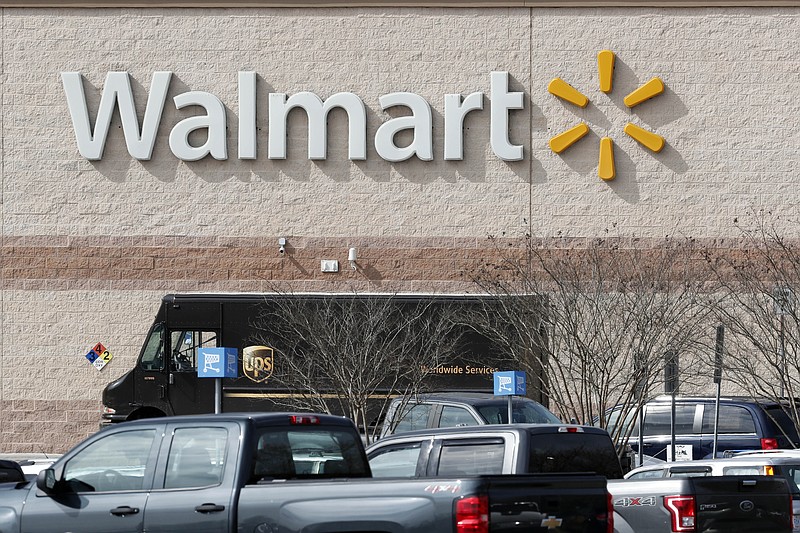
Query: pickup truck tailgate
column 547, row 503
column 743, row 504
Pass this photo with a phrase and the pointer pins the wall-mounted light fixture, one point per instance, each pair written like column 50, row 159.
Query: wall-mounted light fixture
column 282, row 244
column 352, row 256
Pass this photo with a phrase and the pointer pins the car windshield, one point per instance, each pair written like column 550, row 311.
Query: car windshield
column 523, row 413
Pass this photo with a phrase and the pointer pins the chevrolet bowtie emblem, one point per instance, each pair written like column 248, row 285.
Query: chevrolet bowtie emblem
column 551, row 522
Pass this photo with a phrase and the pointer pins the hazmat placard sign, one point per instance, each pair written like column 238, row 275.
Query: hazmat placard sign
column 99, row 356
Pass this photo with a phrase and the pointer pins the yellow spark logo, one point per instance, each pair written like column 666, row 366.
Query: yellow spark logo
column 605, row 68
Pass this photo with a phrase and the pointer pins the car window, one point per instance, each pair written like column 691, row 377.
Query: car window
column 196, row 457
column 153, row 353
column 414, row 417
column 396, row 461
column 456, row 417
column 185, row 344
column 792, row 475
column 471, row 458
column 630, row 421
column 647, row 474
column 657, row 420
column 116, row 462
column 742, row 471
column 782, row 421
column 732, row 419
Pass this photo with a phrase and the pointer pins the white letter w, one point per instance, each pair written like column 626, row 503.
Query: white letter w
column 117, row 89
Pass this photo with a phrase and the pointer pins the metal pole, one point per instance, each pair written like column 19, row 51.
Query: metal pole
column 672, row 426
column 783, row 357
column 217, row 395
column 716, row 421
column 641, row 435
column 510, row 409
column 719, row 350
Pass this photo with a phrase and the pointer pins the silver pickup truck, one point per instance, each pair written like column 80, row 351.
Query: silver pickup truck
column 270, row 473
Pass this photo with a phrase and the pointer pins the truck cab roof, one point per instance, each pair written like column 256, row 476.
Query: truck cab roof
column 258, row 419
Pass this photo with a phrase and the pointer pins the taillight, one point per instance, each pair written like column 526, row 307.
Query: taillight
column 303, row 419
column 472, row 514
column 769, row 444
column 610, row 513
column 682, row 511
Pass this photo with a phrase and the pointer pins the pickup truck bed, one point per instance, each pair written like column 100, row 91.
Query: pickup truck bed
column 521, row 504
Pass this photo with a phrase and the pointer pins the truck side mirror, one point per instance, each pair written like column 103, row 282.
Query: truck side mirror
column 46, row 481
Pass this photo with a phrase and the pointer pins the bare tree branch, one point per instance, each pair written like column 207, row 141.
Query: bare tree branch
column 348, row 354
column 592, row 322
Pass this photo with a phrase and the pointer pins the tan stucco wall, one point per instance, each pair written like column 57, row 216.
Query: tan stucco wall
column 88, row 247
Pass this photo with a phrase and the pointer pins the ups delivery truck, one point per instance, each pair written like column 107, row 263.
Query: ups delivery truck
column 165, row 380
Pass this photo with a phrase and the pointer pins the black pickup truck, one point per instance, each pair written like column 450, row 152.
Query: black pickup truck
column 273, row 473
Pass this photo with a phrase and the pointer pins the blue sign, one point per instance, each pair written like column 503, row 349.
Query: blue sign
column 509, row 383
column 217, row 363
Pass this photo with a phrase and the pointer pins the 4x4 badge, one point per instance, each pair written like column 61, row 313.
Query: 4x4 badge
column 565, row 91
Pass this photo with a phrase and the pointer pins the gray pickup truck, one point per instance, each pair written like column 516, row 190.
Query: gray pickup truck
column 697, row 505
column 271, row 473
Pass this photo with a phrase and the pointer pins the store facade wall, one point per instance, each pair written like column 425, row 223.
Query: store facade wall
column 89, row 245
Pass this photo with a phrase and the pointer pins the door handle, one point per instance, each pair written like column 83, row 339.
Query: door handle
column 123, row 510
column 209, row 508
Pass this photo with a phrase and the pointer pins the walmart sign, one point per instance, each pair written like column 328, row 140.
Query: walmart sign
column 140, row 138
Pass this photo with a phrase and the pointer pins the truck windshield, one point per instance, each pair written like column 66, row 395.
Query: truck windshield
column 286, row 453
column 153, row 353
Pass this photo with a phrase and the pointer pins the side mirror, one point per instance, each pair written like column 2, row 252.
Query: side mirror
column 46, row 481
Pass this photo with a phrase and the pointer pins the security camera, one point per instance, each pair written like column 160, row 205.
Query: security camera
column 282, row 250
column 282, row 244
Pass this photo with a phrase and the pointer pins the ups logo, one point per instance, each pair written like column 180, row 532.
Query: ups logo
column 258, row 362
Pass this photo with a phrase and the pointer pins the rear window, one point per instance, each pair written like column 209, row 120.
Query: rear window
column 471, row 458
column 742, row 471
column 782, row 422
column 288, row 453
column 792, row 475
column 573, row 452
column 522, row 413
